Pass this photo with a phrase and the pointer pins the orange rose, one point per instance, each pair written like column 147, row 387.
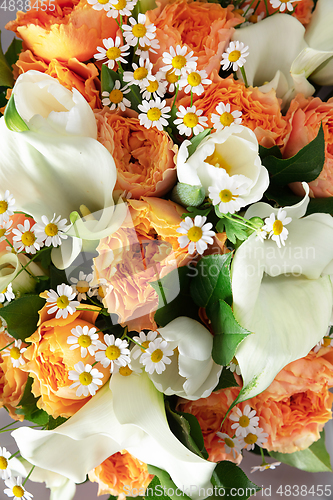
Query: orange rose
column 144, row 157
column 305, row 117
column 50, row 360
column 71, row 30
column 121, row 473
column 260, row 112
column 303, row 10
column 12, row 380
column 206, row 28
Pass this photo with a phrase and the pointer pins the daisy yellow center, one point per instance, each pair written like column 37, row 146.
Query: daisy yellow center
column 85, row 378
column 84, row 341
column 62, row 302
column 327, row 341
column 28, row 238
column 229, row 442
column 120, row 5
column 145, row 47
column 226, row 119
column 103, row 2
column 51, row 229
column 157, row 355
column 194, row 234
column 234, row 56
column 82, row 286
column 194, row 79
column 139, row 30
column 3, row 206
column 244, row 421
column 18, row 491
column 218, row 161
column 277, row 227
column 153, row 86
column 113, row 53
column 140, row 73
column 145, row 345
column 171, row 76
column 15, row 353
column 112, row 352
column 226, row 195
column 190, row 120
column 251, row 438
column 125, row 371
column 234, row 361
column 2, row 232
column 154, row 114
column 101, row 292
column 253, row 18
column 238, row 11
column 178, row 62
column 116, row 96
column 3, row 463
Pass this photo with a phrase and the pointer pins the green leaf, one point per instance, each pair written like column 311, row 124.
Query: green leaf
column 44, row 257
column 55, row 422
column 306, row 165
column 324, row 205
column 274, row 151
column 12, row 119
column 164, row 482
column 235, row 231
column 13, row 51
column 228, row 332
column 313, row 459
column 6, row 76
column 57, row 277
column 213, row 281
column 195, row 141
column 28, row 406
column 22, row 316
column 193, row 211
column 108, row 78
column 155, row 489
column 226, row 380
column 230, row 479
column 283, row 196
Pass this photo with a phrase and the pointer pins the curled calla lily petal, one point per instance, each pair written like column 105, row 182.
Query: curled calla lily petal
column 10, row 265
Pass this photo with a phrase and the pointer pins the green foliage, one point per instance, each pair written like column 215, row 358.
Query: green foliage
column 228, row 476
column 57, row 277
column 226, row 380
column 22, row 316
column 196, row 140
column 28, row 406
column 12, row 118
column 193, row 211
column 234, row 229
column 6, row 77
column 53, row 423
column 108, row 79
column 13, row 51
column 162, row 482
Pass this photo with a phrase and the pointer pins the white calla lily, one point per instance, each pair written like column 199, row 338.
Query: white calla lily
column 10, row 265
column 130, row 416
column 282, row 294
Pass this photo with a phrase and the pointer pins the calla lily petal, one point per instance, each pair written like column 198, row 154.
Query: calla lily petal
column 8, row 259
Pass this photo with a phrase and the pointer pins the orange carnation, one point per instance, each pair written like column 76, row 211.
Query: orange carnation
column 72, row 29
column 144, row 157
column 50, row 360
column 121, row 474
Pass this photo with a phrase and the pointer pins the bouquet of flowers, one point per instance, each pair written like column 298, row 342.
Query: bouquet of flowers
column 166, row 243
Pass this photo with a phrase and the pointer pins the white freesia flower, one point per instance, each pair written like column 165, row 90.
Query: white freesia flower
column 283, row 295
column 216, row 156
column 130, row 416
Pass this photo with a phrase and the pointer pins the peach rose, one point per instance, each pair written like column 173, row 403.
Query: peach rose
column 303, row 10
column 72, row 74
column 50, row 360
column 305, row 117
column 121, row 473
column 71, row 30
column 206, row 28
column 144, row 157
column 260, row 112
column 12, row 380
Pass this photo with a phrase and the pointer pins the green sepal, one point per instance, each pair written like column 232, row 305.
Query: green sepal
column 22, row 316
column 13, row 120
column 229, row 479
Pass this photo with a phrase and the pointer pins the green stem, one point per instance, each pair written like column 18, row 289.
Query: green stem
column 26, row 479
column 8, row 430
column 5, row 427
column 238, row 222
column 249, row 7
column 14, row 454
column 266, row 7
column 244, row 76
column 125, row 333
column 3, row 348
column 191, row 98
column 9, row 243
column 32, row 258
column 263, row 457
column 134, row 342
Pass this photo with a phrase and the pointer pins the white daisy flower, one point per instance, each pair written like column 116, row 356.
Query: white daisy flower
column 25, row 238
column 234, row 367
column 112, row 51
column 51, row 232
column 62, row 301
column 114, row 352
column 245, row 422
column 326, row 341
column 225, row 118
column 194, row 82
column 178, row 61
column 7, row 294
column 81, row 286
column 265, row 466
column 196, row 234
column 170, row 78
column 276, row 227
column 235, row 56
column 154, row 89
column 143, row 340
column 138, row 31
column 141, row 74
column 100, row 290
column 100, row 4
column 190, row 120
column 5, row 230
column 282, row 4
column 122, row 7
column 154, row 113
column 143, row 50
column 228, row 191
column 115, row 99
column 3, row 325
column 86, row 379
column 15, row 489
column 84, row 338
column 7, row 206
column 156, row 356
column 15, row 352
column 261, row 234
column 5, row 471
column 258, row 437
column 230, row 444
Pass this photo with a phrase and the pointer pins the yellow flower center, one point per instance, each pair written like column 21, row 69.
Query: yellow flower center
column 234, row 361
column 139, row 30
column 229, row 442
column 178, row 62
column 15, row 353
column 226, row 119
column 3, row 463
column 277, row 227
column 3, row 206
column 85, row 378
column 157, row 355
column 190, row 120
column 253, row 18
column 28, row 238
column 194, row 234
column 120, row 5
column 251, row 439
column 18, row 491
column 116, row 96
column 103, row 2
column 218, row 161
column 112, row 352
column 62, row 302
column 140, row 73
column 82, row 286
column 194, row 79
column 101, row 292
column 153, row 86
column 2, row 232
column 226, row 195
column 234, row 56
column 327, row 341
column 125, row 371
column 113, row 53
column 244, row 421
column 171, row 76
column 51, row 229
column 154, row 114
column 238, row 11
column 84, row 341
column 145, row 345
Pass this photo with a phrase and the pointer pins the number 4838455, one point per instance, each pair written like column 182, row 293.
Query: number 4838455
column 15, row 5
